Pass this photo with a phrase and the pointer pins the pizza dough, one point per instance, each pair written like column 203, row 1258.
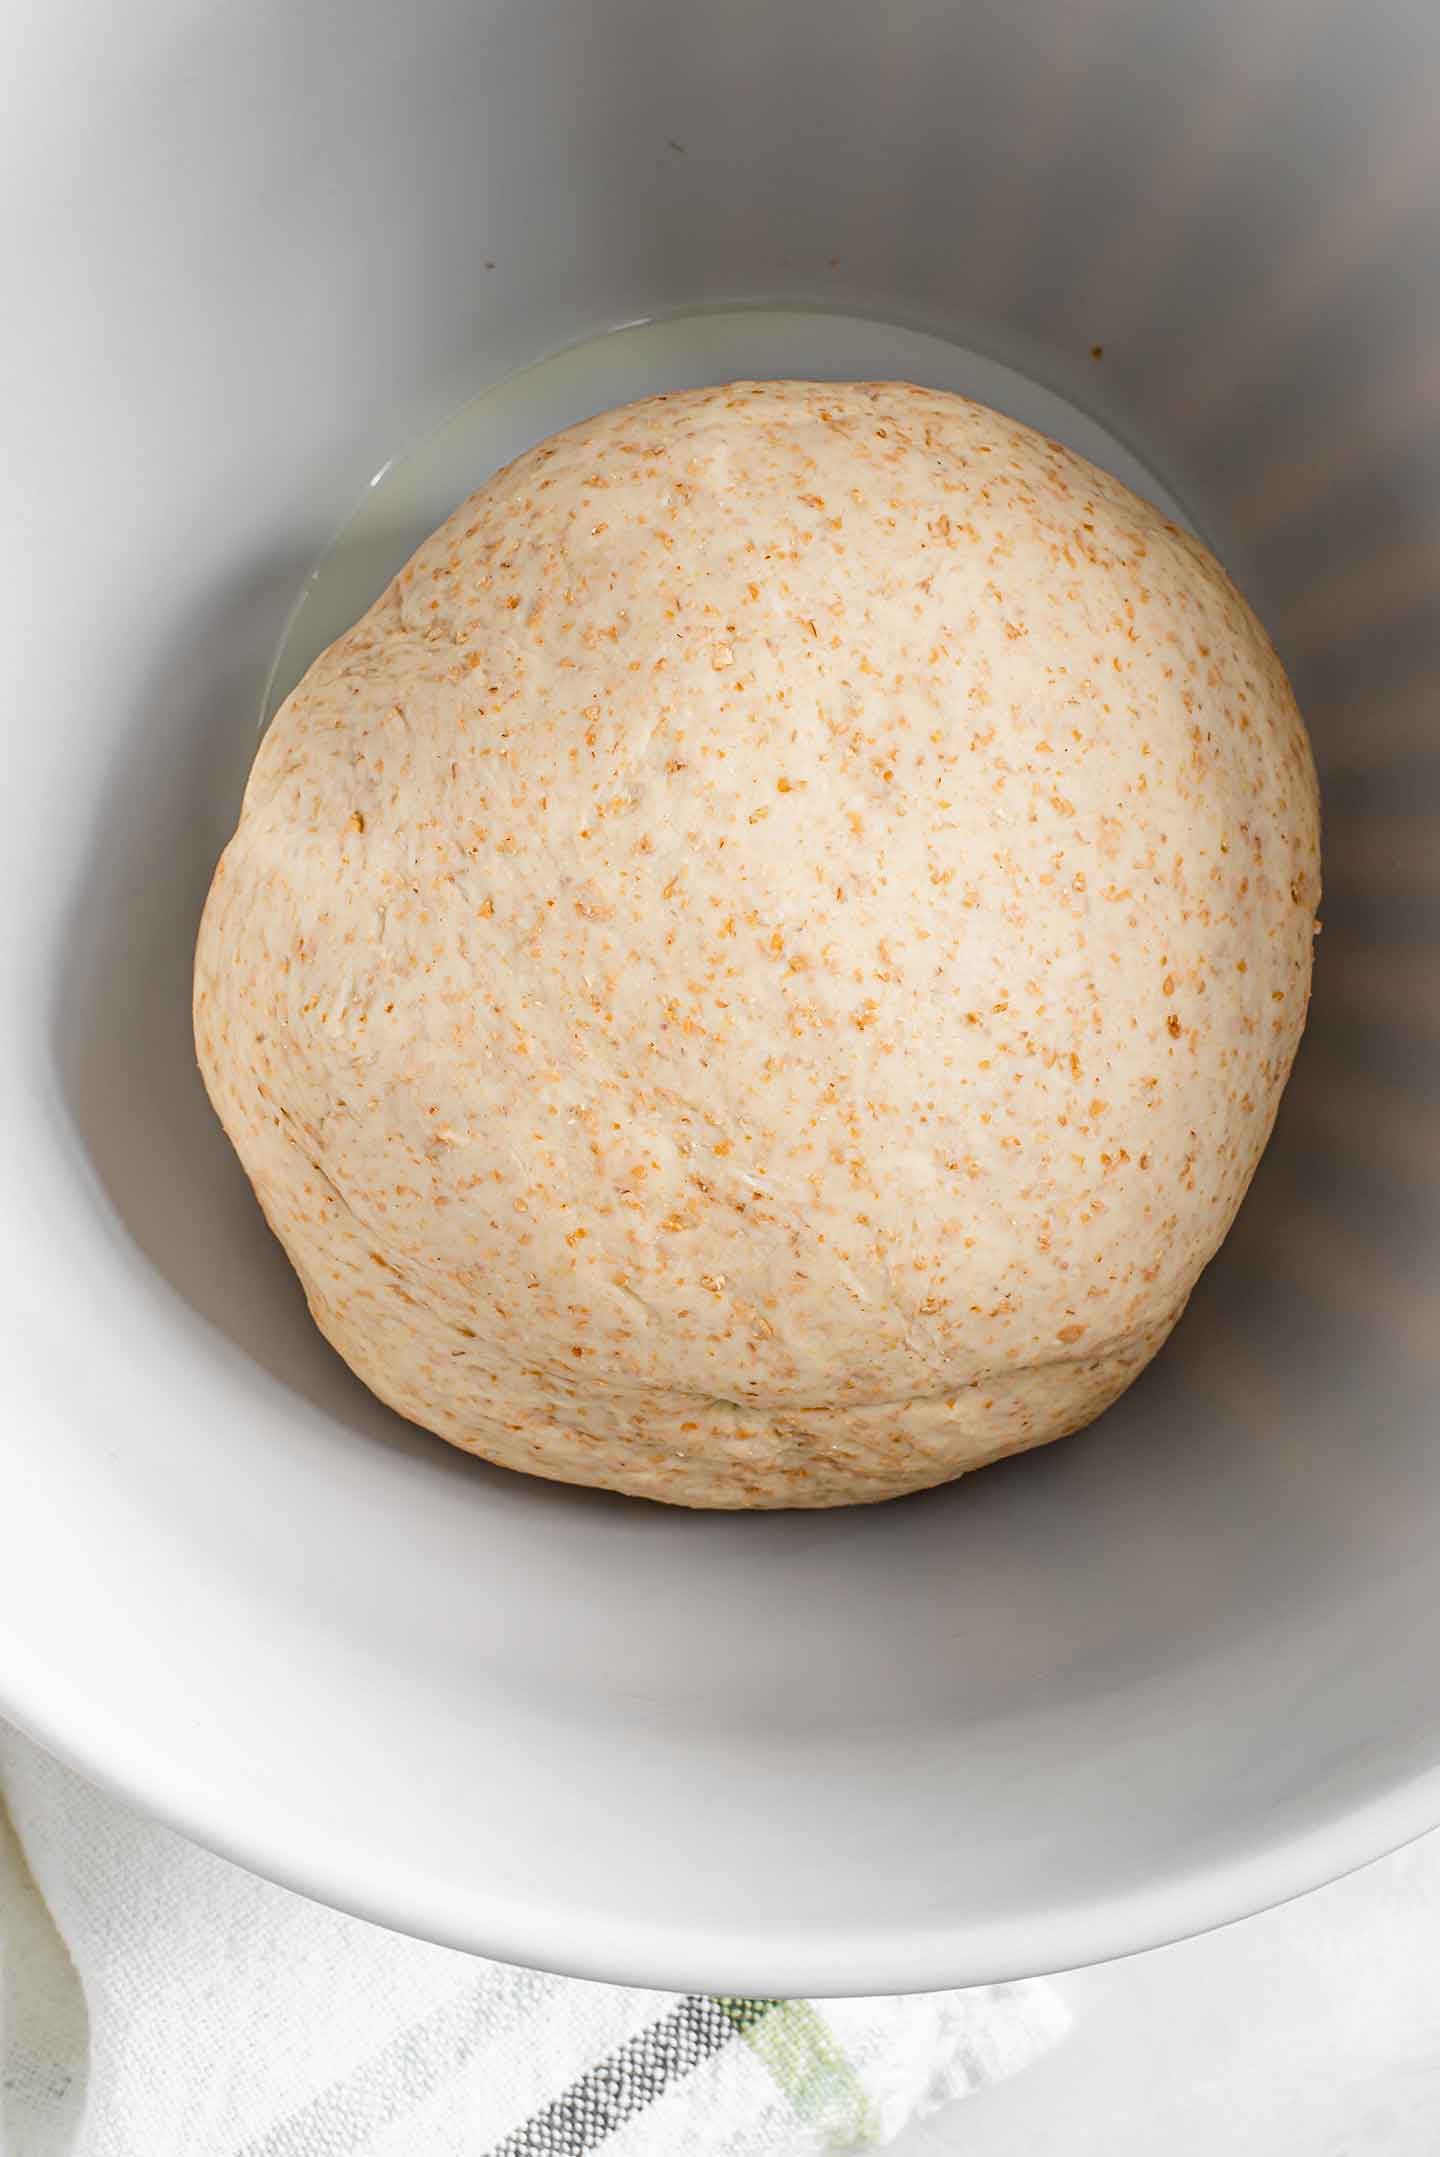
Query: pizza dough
column 758, row 974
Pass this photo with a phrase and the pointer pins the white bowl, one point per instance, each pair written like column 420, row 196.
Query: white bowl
column 1141, row 1682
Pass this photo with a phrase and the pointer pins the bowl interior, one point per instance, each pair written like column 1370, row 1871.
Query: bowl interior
column 1118, row 1689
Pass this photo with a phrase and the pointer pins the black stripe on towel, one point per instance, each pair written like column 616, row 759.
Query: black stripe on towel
column 633, row 2076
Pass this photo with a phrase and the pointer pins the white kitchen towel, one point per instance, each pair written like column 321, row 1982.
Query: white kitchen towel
column 156, row 2001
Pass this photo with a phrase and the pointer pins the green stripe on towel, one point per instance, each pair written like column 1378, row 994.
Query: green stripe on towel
column 822, row 2087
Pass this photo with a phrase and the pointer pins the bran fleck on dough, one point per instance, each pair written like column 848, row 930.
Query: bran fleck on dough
column 759, row 973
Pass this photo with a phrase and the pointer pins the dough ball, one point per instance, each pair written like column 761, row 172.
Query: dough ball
column 759, row 972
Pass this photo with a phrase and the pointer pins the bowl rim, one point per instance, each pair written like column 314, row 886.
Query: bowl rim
column 612, row 1945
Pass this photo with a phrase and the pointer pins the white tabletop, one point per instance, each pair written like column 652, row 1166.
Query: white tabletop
column 1312, row 2031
